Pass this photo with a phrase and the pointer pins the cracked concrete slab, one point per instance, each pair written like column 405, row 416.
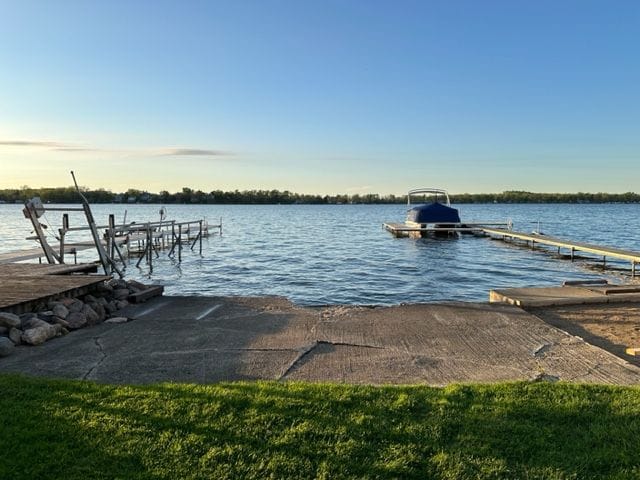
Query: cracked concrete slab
column 211, row 339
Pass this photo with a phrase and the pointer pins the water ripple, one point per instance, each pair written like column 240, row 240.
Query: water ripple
column 323, row 254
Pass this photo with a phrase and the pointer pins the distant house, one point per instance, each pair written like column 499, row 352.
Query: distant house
column 131, row 199
column 118, row 198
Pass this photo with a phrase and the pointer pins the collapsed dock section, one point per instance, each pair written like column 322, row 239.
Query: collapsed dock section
column 113, row 242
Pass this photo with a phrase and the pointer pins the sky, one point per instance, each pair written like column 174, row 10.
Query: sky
column 321, row 96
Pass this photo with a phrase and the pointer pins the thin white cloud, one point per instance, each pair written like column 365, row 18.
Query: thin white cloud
column 198, row 152
column 79, row 149
column 52, row 146
column 33, row 143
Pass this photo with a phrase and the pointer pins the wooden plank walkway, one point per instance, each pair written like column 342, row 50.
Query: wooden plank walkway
column 23, row 285
column 572, row 246
column 485, row 229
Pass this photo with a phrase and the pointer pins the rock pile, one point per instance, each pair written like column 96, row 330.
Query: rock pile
column 58, row 317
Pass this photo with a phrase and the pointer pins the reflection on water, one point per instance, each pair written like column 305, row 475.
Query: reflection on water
column 320, row 254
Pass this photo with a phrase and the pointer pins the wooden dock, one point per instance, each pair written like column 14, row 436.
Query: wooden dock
column 530, row 239
column 569, row 245
column 24, row 286
column 404, row 229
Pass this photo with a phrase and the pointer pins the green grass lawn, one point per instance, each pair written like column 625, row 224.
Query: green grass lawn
column 83, row 430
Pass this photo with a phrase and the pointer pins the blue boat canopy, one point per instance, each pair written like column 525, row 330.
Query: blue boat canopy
column 433, row 213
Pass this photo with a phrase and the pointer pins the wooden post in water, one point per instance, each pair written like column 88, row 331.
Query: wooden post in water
column 63, row 232
column 150, row 247
column 111, row 236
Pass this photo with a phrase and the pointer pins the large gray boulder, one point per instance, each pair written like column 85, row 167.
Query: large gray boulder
column 6, row 347
column 75, row 306
column 99, row 309
column 60, row 311
column 61, row 321
column 76, row 320
column 30, row 320
column 9, row 320
column 90, row 299
column 15, row 335
column 121, row 304
column 111, row 307
column 40, row 334
column 92, row 317
column 36, row 323
column 121, row 293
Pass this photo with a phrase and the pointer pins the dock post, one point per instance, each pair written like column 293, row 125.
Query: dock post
column 173, row 237
column 572, row 251
column 111, row 237
column 200, row 237
column 633, row 268
column 150, row 242
column 180, row 243
column 62, row 232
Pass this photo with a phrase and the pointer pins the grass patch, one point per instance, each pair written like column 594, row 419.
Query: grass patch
column 80, row 430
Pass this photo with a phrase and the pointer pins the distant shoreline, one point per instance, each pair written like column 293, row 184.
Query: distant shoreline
column 274, row 197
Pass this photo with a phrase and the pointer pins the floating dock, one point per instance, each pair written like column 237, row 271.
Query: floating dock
column 405, row 230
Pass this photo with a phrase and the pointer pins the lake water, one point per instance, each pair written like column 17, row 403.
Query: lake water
column 330, row 254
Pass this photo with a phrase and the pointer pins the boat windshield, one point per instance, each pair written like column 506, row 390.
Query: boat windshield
column 428, row 195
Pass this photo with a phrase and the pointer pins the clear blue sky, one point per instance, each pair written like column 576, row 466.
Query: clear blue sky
column 323, row 96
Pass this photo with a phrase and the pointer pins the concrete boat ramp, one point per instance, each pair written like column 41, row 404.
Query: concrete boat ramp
column 210, row 339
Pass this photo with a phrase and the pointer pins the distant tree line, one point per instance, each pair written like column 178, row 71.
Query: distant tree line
column 188, row 195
